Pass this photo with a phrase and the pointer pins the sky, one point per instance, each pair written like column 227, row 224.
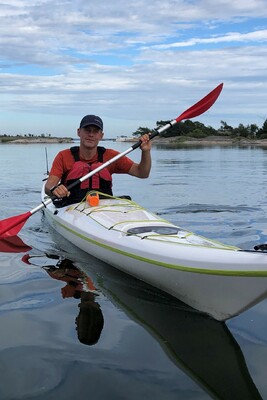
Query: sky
column 133, row 63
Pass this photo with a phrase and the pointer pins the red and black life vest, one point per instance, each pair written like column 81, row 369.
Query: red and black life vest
column 101, row 181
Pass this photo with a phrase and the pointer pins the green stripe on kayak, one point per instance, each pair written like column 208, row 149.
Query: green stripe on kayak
column 167, row 265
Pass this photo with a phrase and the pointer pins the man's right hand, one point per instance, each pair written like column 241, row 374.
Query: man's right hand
column 59, row 191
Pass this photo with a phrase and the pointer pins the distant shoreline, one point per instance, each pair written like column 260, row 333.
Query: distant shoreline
column 210, row 141
column 172, row 141
column 38, row 140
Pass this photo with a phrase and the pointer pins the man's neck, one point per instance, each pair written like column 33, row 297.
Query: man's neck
column 87, row 154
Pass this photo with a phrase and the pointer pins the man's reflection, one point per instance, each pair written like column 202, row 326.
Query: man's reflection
column 90, row 321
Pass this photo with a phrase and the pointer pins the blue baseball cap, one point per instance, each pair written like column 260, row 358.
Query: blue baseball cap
column 92, row 120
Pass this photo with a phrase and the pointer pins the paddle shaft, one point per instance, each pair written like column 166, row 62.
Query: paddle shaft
column 199, row 108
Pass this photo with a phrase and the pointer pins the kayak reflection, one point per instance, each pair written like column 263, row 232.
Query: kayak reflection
column 90, row 321
column 200, row 346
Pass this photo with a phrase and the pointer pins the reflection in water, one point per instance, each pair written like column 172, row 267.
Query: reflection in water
column 13, row 244
column 90, row 321
column 198, row 345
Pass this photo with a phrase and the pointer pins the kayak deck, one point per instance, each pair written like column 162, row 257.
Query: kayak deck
column 130, row 219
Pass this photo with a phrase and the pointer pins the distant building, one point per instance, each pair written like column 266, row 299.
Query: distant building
column 124, row 138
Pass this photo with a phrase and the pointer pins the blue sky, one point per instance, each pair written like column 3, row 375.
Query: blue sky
column 132, row 63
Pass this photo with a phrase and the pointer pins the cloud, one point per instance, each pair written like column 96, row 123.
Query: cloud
column 136, row 63
column 231, row 37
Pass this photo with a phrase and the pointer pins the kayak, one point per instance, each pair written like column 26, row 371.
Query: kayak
column 212, row 277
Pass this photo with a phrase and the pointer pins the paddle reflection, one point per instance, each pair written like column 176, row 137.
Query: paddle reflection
column 90, row 321
column 13, row 244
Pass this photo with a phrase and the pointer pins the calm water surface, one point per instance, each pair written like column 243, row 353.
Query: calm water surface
column 124, row 339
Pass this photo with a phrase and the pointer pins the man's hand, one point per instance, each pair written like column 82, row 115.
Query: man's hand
column 146, row 143
column 59, row 191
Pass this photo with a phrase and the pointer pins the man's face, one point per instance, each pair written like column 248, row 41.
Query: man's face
column 90, row 136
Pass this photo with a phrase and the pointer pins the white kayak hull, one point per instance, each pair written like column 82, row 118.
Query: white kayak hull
column 214, row 278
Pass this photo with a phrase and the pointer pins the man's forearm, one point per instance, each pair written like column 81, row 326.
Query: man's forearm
column 144, row 166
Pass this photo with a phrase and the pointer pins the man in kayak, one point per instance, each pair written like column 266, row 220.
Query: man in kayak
column 71, row 164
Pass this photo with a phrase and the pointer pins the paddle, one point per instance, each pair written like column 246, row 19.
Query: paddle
column 11, row 226
column 13, row 244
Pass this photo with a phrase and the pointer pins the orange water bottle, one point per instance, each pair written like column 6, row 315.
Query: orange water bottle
column 92, row 199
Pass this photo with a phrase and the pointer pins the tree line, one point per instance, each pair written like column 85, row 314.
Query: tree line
column 199, row 130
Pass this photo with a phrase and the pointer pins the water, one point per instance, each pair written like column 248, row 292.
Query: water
column 125, row 339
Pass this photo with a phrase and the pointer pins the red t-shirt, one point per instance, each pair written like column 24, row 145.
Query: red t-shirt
column 64, row 161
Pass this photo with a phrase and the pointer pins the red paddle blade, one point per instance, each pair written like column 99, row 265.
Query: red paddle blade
column 202, row 105
column 13, row 244
column 11, row 226
column 26, row 259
